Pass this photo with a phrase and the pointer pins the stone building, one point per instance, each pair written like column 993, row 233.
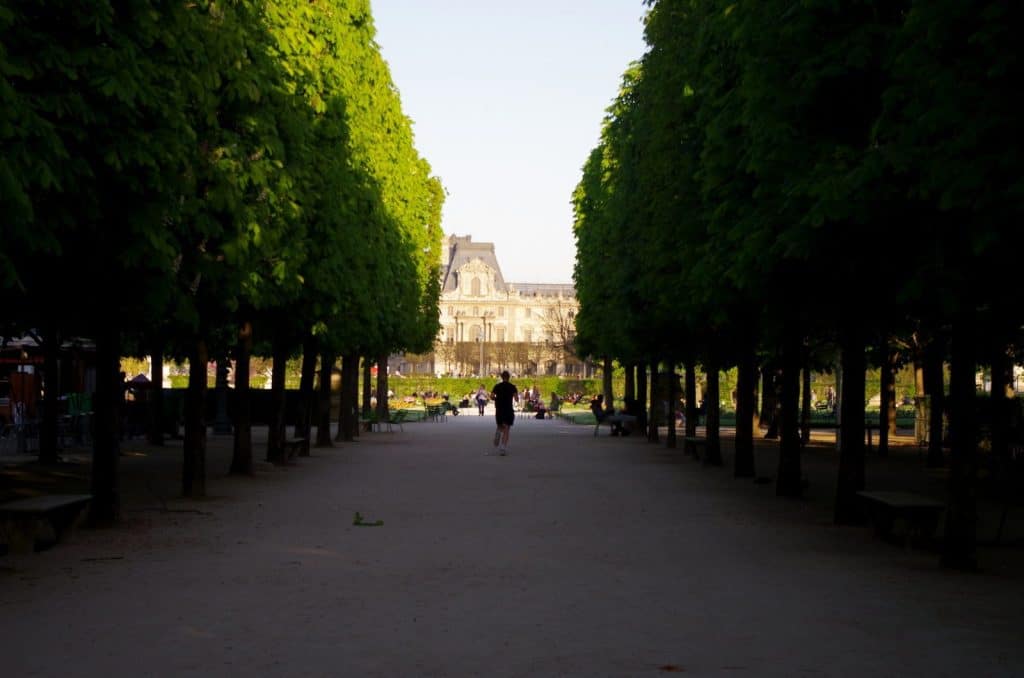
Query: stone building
column 489, row 324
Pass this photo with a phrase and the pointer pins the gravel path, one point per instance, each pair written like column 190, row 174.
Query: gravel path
column 572, row 556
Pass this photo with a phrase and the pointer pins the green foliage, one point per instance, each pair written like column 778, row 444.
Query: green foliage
column 764, row 161
column 456, row 387
column 199, row 164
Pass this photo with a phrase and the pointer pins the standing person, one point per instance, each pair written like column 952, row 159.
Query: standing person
column 504, row 394
column 481, row 400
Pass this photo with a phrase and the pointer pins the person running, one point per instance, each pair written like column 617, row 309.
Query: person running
column 504, row 394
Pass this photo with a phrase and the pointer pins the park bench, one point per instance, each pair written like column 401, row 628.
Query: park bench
column 395, row 418
column 613, row 419
column 699, row 445
column 919, row 514
column 24, row 522
column 294, row 447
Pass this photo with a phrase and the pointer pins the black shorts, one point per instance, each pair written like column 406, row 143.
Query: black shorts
column 505, row 417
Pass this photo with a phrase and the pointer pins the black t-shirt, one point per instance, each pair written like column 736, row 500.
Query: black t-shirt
column 504, row 393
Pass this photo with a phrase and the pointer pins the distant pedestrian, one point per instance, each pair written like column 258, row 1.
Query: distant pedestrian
column 481, row 400
column 505, row 394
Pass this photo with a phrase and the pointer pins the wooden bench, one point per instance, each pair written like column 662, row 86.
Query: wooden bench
column 613, row 419
column 24, row 522
column 920, row 514
column 294, row 447
column 698, row 444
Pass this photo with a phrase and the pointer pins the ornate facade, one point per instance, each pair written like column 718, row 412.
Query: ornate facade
column 488, row 324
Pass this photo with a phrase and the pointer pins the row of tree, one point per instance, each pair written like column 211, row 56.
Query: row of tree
column 778, row 180
column 203, row 178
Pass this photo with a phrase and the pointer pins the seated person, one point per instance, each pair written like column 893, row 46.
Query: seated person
column 597, row 407
column 540, row 409
column 631, row 410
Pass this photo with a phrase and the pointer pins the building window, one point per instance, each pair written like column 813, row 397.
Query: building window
column 501, row 334
column 501, row 311
column 475, row 287
column 528, row 312
column 527, row 336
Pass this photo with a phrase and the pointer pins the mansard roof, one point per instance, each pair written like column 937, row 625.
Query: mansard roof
column 544, row 289
column 461, row 251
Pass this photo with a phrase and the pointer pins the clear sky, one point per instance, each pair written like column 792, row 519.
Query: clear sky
column 507, row 100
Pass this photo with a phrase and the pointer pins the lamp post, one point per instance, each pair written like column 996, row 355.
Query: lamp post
column 481, row 354
column 459, row 328
column 483, row 337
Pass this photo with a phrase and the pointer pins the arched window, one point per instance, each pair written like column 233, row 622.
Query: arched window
column 475, row 287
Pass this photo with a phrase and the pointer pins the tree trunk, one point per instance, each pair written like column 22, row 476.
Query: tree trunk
column 276, row 424
column 241, row 456
column 629, row 387
column 307, row 394
column 606, row 382
column 851, row 434
column 920, row 409
column 348, row 423
column 51, row 379
column 655, row 418
column 323, row 429
column 805, row 406
column 382, row 387
column 746, row 401
column 770, row 402
column 156, row 393
column 1001, row 403
column 221, row 422
column 887, row 404
column 959, row 545
column 712, row 416
column 935, row 390
column 670, row 405
column 691, row 412
column 105, row 507
column 641, row 396
column 789, row 482
column 193, row 477
column 367, row 387
column 348, row 399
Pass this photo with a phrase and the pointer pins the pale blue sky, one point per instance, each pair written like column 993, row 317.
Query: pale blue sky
column 507, row 101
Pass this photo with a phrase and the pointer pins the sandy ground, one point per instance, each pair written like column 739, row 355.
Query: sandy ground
column 572, row 556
